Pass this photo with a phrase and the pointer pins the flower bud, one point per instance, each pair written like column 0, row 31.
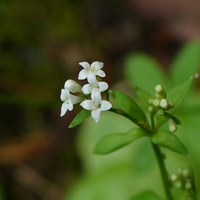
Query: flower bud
column 172, row 125
column 72, row 86
column 159, row 89
column 164, row 103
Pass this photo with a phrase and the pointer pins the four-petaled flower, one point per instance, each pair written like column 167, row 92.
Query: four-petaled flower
column 95, row 89
column 90, row 72
column 96, row 106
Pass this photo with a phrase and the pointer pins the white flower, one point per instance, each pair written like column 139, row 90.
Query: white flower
column 72, row 86
column 95, row 89
column 90, row 72
column 68, row 101
column 96, row 106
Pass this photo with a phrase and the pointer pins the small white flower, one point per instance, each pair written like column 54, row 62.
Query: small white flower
column 72, row 86
column 96, row 106
column 95, row 89
column 90, row 72
column 68, row 101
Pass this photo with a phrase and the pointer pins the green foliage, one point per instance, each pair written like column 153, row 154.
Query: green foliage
column 143, row 71
column 146, row 195
column 170, row 116
column 126, row 106
column 113, row 142
column 186, row 63
column 79, row 118
column 170, row 141
column 178, row 94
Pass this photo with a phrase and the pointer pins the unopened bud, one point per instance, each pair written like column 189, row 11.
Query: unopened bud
column 156, row 102
column 164, row 103
column 72, row 86
column 159, row 89
column 150, row 108
column 172, row 125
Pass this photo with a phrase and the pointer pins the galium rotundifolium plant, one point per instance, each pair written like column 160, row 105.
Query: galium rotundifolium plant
column 152, row 115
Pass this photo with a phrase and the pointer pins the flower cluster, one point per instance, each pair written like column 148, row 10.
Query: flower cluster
column 90, row 95
column 160, row 104
column 183, row 179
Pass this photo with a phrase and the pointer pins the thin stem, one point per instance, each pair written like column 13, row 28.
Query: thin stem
column 161, row 164
column 163, row 171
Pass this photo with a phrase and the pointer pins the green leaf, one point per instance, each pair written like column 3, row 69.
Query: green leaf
column 79, row 118
column 142, row 71
column 170, row 116
column 143, row 97
column 178, row 94
column 186, row 63
column 126, row 106
column 115, row 141
column 170, row 141
column 146, row 195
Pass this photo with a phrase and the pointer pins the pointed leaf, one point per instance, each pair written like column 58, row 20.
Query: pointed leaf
column 170, row 116
column 146, row 195
column 170, row 141
column 79, row 118
column 142, row 97
column 178, row 94
column 143, row 71
column 112, row 142
column 127, row 105
column 186, row 63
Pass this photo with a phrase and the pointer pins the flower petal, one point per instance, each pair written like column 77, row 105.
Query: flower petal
column 87, row 104
column 100, row 73
column 97, row 65
column 64, row 94
column 64, row 109
column 83, row 74
column 84, row 64
column 105, row 105
column 96, row 114
column 87, row 88
column 96, row 95
column 103, row 86
column 75, row 99
column 70, row 105
column 91, row 78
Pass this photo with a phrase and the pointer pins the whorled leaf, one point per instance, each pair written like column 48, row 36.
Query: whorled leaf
column 186, row 63
column 178, row 94
column 79, row 118
column 170, row 116
column 115, row 141
column 146, row 195
column 126, row 106
column 143, row 71
column 170, row 141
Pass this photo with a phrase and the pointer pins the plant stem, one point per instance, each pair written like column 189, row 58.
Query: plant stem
column 163, row 171
column 161, row 164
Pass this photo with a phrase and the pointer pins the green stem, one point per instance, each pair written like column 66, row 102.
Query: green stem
column 161, row 164
column 163, row 171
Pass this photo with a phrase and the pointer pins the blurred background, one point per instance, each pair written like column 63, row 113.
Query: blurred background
column 41, row 44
